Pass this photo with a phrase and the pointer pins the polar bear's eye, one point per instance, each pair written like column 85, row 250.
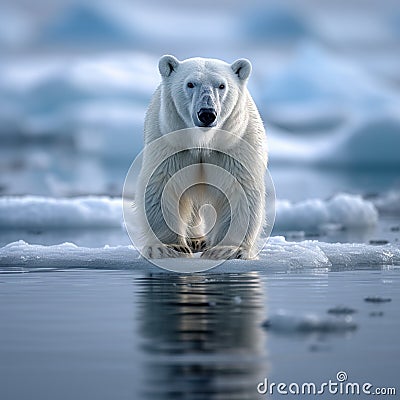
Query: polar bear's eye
column 190, row 85
column 221, row 86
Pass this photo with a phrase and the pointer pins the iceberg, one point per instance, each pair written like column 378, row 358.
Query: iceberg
column 372, row 141
column 325, row 110
column 321, row 81
column 53, row 98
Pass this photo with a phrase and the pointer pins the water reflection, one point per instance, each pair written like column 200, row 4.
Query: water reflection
column 201, row 335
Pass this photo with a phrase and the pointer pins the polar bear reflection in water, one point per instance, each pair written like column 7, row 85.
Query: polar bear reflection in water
column 201, row 187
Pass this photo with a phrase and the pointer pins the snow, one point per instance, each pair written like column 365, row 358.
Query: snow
column 277, row 255
column 341, row 211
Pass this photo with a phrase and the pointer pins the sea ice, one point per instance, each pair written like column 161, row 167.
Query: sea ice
column 343, row 210
column 277, row 255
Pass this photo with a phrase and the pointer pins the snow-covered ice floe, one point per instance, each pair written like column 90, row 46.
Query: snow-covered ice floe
column 343, row 210
column 277, row 255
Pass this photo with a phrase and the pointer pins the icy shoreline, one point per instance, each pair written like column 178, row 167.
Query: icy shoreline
column 277, row 255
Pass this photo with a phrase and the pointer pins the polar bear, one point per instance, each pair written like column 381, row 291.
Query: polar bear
column 212, row 128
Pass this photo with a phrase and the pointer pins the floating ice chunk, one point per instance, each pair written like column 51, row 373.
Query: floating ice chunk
column 284, row 322
column 343, row 210
column 377, row 299
column 359, row 256
column 341, row 310
column 67, row 255
column 293, row 255
column 32, row 211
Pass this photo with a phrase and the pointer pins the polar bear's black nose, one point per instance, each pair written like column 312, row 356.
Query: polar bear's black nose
column 207, row 116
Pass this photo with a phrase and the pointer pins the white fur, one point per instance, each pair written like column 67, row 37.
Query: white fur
column 171, row 218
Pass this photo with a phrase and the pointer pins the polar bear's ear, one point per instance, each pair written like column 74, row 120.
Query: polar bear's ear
column 167, row 65
column 242, row 68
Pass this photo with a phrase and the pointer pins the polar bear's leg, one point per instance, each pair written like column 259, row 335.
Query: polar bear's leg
column 166, row 228
column 196, row 239
column 238, row 227
column 219, row 246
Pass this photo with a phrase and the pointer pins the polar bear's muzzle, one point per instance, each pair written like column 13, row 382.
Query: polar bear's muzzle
column 207, row 117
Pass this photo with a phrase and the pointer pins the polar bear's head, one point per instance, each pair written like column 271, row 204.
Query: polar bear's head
column 204, row 91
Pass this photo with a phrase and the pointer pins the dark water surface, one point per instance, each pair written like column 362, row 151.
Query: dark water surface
column 90, row 334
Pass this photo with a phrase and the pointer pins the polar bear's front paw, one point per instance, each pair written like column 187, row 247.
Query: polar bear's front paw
column 226, row 253
column 166, row 251
column 197, row 245
column 183, row 249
